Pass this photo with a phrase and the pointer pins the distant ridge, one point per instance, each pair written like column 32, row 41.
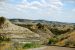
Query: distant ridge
column 19, row 19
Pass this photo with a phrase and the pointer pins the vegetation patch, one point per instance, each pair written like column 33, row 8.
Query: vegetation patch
column 3, row 38
column 59, row 32
column 52, row 41
column 31, row 45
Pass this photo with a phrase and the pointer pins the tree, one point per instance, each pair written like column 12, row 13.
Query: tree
column 52, row 41
column 40, row 26
column 2, row 20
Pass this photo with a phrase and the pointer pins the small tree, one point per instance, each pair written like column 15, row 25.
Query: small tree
column 2, row 19
column 52, row 41
column 40, row 26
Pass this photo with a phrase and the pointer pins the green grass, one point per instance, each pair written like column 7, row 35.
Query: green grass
column 31, row 45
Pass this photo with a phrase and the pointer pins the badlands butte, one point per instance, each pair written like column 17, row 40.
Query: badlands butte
column 40, row 31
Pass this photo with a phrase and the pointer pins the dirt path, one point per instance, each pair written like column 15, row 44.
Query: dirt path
column 53, row 48
column 58, row 48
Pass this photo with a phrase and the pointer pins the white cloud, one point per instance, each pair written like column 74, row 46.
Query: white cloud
column 35, row 4
column 43, row 4
column 45, row 8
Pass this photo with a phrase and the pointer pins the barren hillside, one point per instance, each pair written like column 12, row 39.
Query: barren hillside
column 62, row 32
column 22, row 34
column 44, row 32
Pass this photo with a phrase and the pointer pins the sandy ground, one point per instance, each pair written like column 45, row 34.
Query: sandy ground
column 52, row 48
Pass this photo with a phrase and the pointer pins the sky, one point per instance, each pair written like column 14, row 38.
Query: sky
column 51, row 10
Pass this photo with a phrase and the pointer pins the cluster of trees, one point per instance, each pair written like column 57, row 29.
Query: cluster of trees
column 59, row 32
column 40, row 26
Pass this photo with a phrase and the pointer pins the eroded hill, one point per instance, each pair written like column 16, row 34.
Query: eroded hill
column 23, row 30
column 62, row 32
column 23, row 34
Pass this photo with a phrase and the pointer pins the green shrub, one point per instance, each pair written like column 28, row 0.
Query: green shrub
column 3, row 38
column 52, row 41
column 31, row 45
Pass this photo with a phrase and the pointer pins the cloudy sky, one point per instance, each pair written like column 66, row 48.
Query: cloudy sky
column 52, row 10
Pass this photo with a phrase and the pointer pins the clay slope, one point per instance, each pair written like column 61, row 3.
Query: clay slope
column 63, row 34
column 67, row 39
column 40, row 29
column 15, row 32
column 8, row 27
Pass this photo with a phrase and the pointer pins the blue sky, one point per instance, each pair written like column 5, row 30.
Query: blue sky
column 52, row 10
